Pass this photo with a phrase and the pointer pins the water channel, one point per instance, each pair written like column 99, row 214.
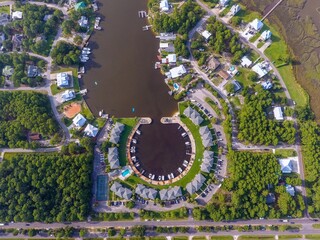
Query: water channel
column 121, row 77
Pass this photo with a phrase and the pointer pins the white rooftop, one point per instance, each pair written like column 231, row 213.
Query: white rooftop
column 62, row 79
column 290, row 190
column 260, row 70
column 79, row 120
column 278, row 114
column 91, row 131
column 172, row 58
column 17, row 15
column 256, row 24
column 245, row 61
column 164, row 44
column 266, row 35
column 206, row 34
column 68, row 95
column 177, row 71
column 164, row 5
column 286, row 165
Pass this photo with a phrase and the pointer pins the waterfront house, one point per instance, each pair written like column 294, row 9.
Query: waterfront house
column 245, row 62
column 83, row 22
column 171, row 58
column 195, row 184
column 286, row 165
column 113, row 158
column 278, row 114
column 206, row 136
column 206, row 34
column 256, row 25
column 16, row 15
column 116, row 132
column 7, row 71
column 235, row 9
column 193, row 115
column 144, row 192
column 63, row 79
column 121, row 191
column 4, row 19
column 290, row 190
column 170, row 193
column 177, row 72
column 91, row 131
column 68, row 95
column 207, row 161
column 208, row 154
column 164, row 6
column 166, row 46
column 79, row 121
column 213, row 63
column 32, row 71
column 266, row 35
column 224, row 3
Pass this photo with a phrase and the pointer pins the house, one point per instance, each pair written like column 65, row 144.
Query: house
column 206, row 136
column 7, row 71
column 113, row 157
column 2, row 38
column 213, row 63
column 83, row 22
column 261, row 69
column 271, row 198
column 171, row 58
column 34, row 136
column 164, row 6
column 266, row 85
column 278, row 114
column 177, row 71
column 16, row 15
column 68, row 95
column 286, row 165
column 121, row 191
column 195, row 184
column 235, row 9
column 207, row 161
column 79, row 121
column 79, row 6
column 166, row 46
column 47, row 17
column 206, row 34
column 224, row 3
column 266, row 35
column 4, row 19
column 193, row 115
column 245, row 62
column 290, row 189
column 116, row 132
column 63, row 79
column 17, row 41
column 144, row 192
column 256, row 25
column 91, row 131
column 236, row 85
column 167, row 36
column 170, row 193
column 224, row 74
column 32, row 71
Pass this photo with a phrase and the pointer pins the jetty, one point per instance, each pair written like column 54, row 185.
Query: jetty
column 97, row 23
column 83, row 92
column 146, row 28
column 142, row 14
column 95, row 7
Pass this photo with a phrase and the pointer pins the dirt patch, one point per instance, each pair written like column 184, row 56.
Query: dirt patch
column 72, row 110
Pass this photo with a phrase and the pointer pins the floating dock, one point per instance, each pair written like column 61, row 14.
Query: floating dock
column 142, row 14
column 146, row 28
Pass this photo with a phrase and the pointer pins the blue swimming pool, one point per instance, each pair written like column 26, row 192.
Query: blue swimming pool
column 125, row 173
column 176, row 86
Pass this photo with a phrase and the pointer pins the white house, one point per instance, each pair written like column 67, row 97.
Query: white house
column 177, row 71
column 164, row 6
column 63, row 79
column 290, row 190
column 246, row 62
column 266, row 85
column 16, row 15
column 171, row 58
column 68, row 95
column 83, row 22
column 266, row 35
column 206, row 34
column 256, row 25
column 260, row 69
column 79, row 121
column 278, row 114
column 286, row 165
column 224, row 3
column 91, row 131
column 235, row 9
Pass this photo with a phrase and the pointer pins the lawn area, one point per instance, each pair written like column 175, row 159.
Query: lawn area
column 129, row 125
column 246, row 237
column 180, row 213
column 86, row 112
column 285, row 153
column 247, row 16
column 222, row 238
column 55, row 89
column 157, row 238
column 74, row 70
column 316, row 226
column 313, row 236
column 242, row 77
column 294, row 236
column 199, row 238
column 5, row 9
column 180, row 238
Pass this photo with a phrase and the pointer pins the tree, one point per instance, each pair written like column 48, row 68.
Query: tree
column 139, row 231
column 230, row 88
column 78, row 39
column 111, row 232
column 130, row 204
column 252, row 76
column 83, row 232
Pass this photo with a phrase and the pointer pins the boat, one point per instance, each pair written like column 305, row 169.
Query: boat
column 83, row 60
column 87, row 49
column 100, row 113
column 84, row 52
column 82, row 69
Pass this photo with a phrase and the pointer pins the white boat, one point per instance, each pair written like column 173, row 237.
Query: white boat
column 85, row 52
column 83, row 60
column 87, row 49
column 138, row 132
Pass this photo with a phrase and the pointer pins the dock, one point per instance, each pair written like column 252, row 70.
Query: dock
column 97, row 23
column 83, row 92
column 146, row 28
column 142, row 14
column 95, row 7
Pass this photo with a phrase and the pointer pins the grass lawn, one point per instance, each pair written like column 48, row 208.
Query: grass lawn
column 222, row 238
column 313, row 236
column 199, row 238
column 260, row 44
column 316, row 226
column 55, row 89
column 180, row 213
column 129, row 125
column 285, row 153
column 157, row 238
column 294, row 236
column 242, row 77
column 180, row 238
column 86, row 112
column 245, row 237
column 247, row 16
column 5, row 9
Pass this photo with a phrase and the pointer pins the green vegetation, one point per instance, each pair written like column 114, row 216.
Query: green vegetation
column 316, row 226
column 222, row 238
column 285, row 153
column 23, row 113
column 181, row 213
column 312, row 236
column 47, row 187
column 180, row 238
column 113, row 216
column 5, row 9
column 293, row 236
column 199, row 238
column 65, row 54
column 248, row 237
column 256, row 128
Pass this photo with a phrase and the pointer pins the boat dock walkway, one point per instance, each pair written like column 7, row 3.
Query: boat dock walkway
column 142, row 14
column 146, row 28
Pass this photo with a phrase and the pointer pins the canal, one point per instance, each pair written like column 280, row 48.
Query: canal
column 121, row 76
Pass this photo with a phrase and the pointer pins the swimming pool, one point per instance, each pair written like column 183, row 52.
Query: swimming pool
column 125, row 173
column 176, row 86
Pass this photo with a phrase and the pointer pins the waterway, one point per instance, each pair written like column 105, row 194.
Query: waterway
column 121, row 76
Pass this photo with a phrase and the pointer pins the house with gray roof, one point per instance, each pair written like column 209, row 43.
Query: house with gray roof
column 193, row 115
column 7, row 71
column 207, row 154
column 188, row 111
column 195, row 184
column 207, row 164
column 121, row 191
column 32, row 71
column 116, row 132
column 170, row 193
column 206, row 136
column 113, row 158
column 144, row 192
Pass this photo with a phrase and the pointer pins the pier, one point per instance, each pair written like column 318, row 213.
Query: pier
column 142, row 14
column 146, row 28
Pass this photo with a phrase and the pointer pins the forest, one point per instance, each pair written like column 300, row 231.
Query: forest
column 243, row 195
column 22, row 112
column 256, row 127
column 65, row 54
column 46, row 187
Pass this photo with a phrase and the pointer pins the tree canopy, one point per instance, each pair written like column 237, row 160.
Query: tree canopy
column 65, row 54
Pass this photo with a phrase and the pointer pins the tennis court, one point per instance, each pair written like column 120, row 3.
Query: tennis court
column 102, row 184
